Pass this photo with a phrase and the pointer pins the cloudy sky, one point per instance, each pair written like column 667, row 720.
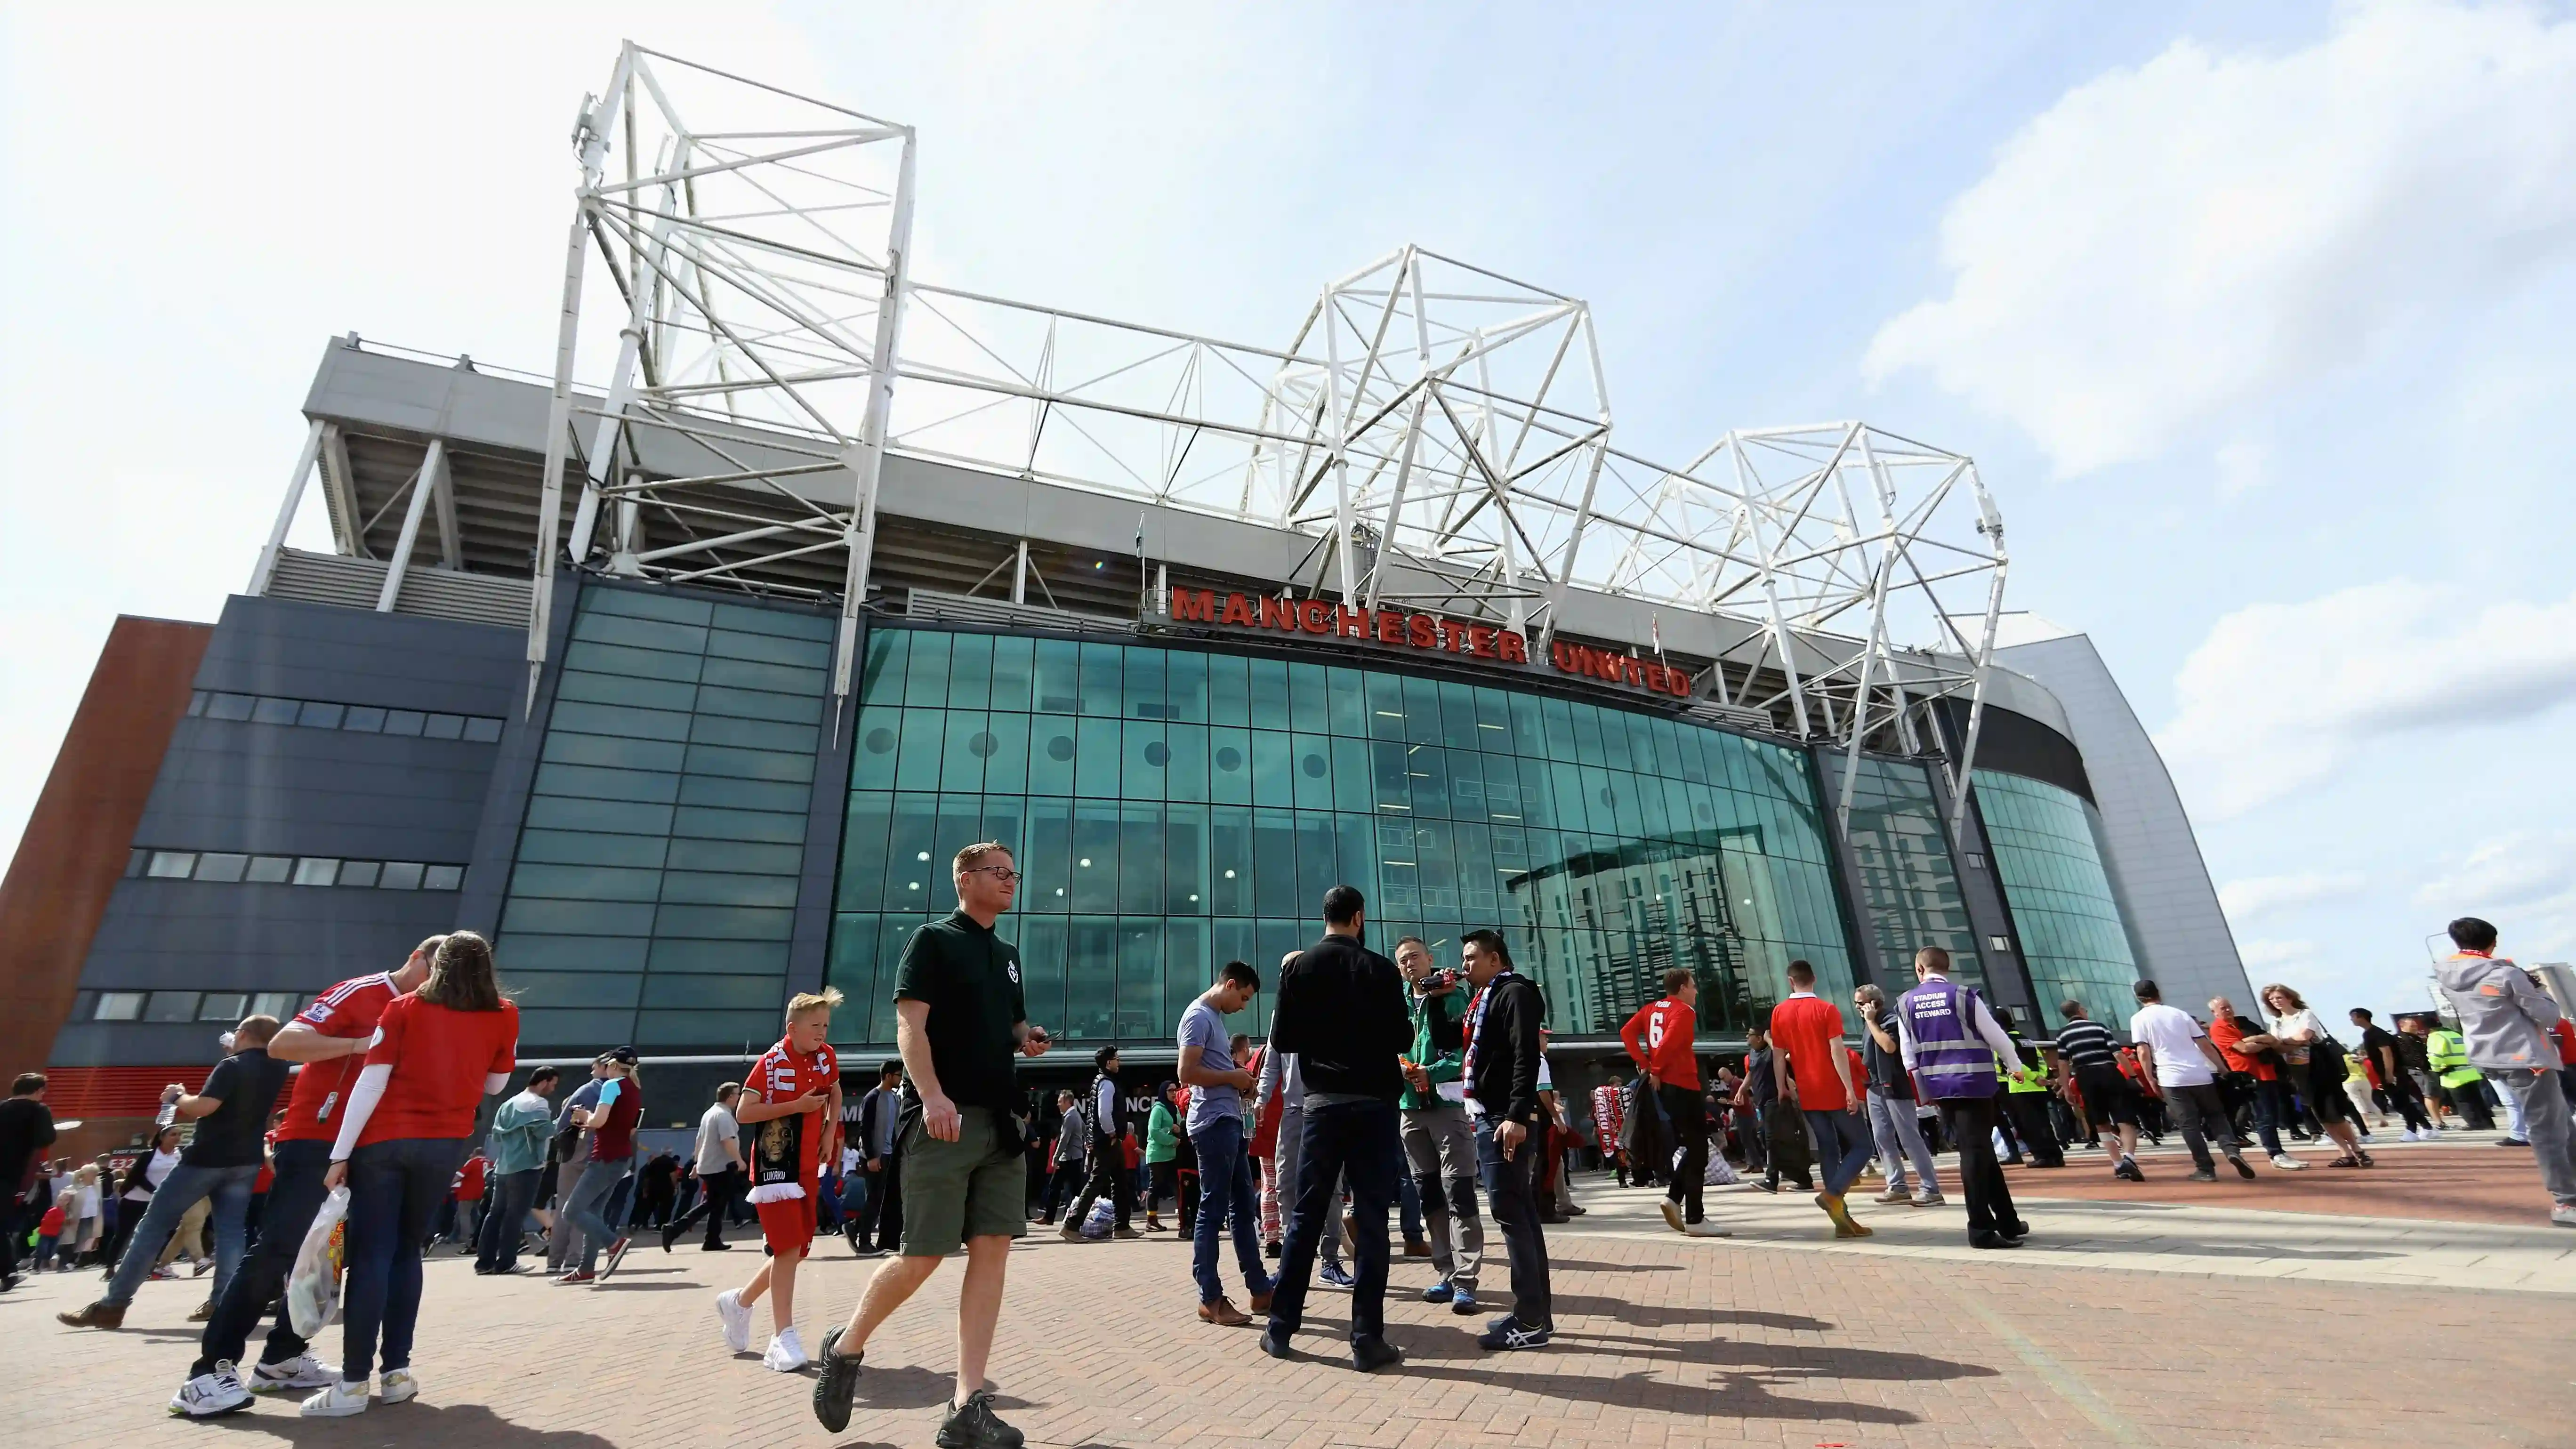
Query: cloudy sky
column 2256, row 318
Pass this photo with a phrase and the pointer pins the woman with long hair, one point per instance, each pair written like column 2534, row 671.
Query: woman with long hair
column 410, row 1120
column 2317, row 1063
column 134, row 1196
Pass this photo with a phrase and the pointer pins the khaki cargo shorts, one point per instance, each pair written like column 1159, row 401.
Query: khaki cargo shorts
column 974, row 1187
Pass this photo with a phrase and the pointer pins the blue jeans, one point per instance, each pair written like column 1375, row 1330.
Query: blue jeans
column 394, row 1191
column 587, row 1205
column 1841, row 1150
column 1356, row 1141
column 1511, row 1190
column 294, row 1196
column 1226, row 1190
column 180, row 1191
column 496, row 1249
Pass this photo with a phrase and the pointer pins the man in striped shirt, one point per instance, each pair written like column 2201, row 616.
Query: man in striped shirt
column 2086, row 1047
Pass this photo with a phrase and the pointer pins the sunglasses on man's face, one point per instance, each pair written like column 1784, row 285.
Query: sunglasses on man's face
column 1002, row 873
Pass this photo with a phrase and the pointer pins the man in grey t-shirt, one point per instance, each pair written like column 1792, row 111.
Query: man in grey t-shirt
column 1217, row 1134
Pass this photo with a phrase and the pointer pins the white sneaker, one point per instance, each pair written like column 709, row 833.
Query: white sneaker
column 397, row 1386
column 786, row 1353
column 2564, row 1217
column 2287, row 1163
column 300, row 1372
column 736, row 1320
column 207, row 1395
column 339, row 1401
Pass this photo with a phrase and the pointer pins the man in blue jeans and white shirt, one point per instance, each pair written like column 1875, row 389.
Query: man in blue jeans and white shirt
column 1217, row 1134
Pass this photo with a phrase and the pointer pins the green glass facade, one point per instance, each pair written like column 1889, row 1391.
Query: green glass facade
column 1174, row 808
column 2048, row 854
column 655, row 880
column 1909, row 885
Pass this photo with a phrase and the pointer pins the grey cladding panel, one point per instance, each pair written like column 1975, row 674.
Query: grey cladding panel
column 194, row 934
column 353, row 656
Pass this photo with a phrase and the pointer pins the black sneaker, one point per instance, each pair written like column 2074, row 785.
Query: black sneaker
column 2244, row 1169
column 973, row 1426
column 837, row 1383
column 1368, row 1355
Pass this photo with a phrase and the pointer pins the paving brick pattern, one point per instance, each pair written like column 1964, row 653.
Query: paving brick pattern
column 1664, row 1344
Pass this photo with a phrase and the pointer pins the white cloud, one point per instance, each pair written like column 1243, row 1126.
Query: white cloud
column 2169, row 243
column 2262, row 955
column 2280, row 696
column 2255, row 897
column 2524, row 882
column 2242, row 468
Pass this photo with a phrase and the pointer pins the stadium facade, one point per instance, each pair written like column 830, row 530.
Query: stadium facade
column 1200, row 629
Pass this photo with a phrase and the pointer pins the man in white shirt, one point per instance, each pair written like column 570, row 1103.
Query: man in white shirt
column 721, row 1178
column 2173, row 1048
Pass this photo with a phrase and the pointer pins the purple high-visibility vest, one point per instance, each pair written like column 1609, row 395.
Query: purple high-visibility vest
column 1950, row 1059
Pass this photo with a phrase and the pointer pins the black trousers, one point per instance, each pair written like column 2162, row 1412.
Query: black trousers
column 1688, row 1114
column 1511, row 1190
column 884, row 1212
column 1358, row 1142
column 716, row 1197
column 1062, row 1185
column 1969, row 1123
column 295, row 1194
column 2469, row 1099
column 2030, row 1123
column 1110, row 1177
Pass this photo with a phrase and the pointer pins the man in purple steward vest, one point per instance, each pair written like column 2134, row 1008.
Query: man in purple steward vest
column 1951, row 1042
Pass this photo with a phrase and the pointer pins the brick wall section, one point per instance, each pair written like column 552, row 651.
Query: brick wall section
column 75, row 845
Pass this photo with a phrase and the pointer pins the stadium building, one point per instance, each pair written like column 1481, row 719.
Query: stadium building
column 684, row 668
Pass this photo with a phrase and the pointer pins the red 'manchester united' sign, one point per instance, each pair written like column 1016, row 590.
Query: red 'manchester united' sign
column 1404, row 630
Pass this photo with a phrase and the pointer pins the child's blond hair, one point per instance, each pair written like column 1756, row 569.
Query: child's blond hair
column 805, row 1001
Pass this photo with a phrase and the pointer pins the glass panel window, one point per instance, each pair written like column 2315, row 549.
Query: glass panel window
column 196, row 703
column 1095, row 856
column 1059, row 677
column 229, row 706
column 367, row 719
column 444, row 727
column 482, row 729
column 1269, row 694
column 1101, row 674
column 269, row 869
column 220, row 867
column 170, row 1006
column 135, row 861
column 222, row 1006
column 1309, row 699
column 1230, row 874
column 319, row 716
column 1185, row 687
column 1142, row 689
column 279, row 1004
column 360, row 872
column 171, row 864
column 1014, row 663
column 401, row 875
column 404, row 721
column 970, row 671
column 119, row 1006
column 926, row 671
column 1229, row 689
column 275, row 711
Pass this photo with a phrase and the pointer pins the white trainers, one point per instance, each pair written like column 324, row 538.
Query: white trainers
column 207, row 1395
column 736, row 1320
column 339, row 1401
column 2287, row 1163
column 2563, row 1217
column 300, row 1372
column 786, row 1353
column 397, row 1386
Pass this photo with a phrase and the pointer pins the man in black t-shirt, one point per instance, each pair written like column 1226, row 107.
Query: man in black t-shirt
column 26, row 1130
column 960, row 1018
column 221, row 1162
column 2380, row 1048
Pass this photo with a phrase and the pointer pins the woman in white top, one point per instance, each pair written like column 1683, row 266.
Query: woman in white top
column 146, row 1175
column 2318, row 1071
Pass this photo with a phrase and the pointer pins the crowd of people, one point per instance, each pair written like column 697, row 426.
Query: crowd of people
column 1395, row 1086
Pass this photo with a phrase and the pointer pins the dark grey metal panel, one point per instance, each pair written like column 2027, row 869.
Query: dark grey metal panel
column 138, row 1043
column 514, row 770
column 278, row 789
column 357, row 656
column 809, row 950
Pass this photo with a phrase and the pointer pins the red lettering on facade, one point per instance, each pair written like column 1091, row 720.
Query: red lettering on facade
column 1451, row 632
column 1238, row 610
column 1480, row 640
column 1352, row 623
column 1562, row 655
column 1196, row 604
column 1632, row 668
column 1678, row 682
column 1390, row 627
column 1278, row 613
column 1316, row 616
column 1515, row 649
column 1419, row 632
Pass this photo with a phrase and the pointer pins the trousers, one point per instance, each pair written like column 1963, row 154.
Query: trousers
column 1969, row 1122
column 295, row 1194
column 1357, row 1140
column 1512, row 1186
column 1899, row 1136
column 1440, row 1147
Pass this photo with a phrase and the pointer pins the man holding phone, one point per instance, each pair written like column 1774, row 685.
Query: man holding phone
column 960, row 1016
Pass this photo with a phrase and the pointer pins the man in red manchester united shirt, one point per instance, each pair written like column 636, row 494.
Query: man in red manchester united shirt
column 1660, row 1041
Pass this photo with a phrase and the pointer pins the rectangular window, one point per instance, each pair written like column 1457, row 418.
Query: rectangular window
column 229, row 706
column 315, row 715
column 404, row 721
column 1096, row 744
column 1229, row 690
column 1185, row 686
column 1230, row 874
column 119, row 1006
column 970, row 671
column 482, row 729
column 171, row 1006
column 401, row 875
column 269, row 869
column 1014, row 663
column 1102, row 670
column 1142, row 690
column 196, row 703
column 365, row 719
column 1095, row 856
column 222, row 1006
column 1310, row 706
column 274, row 711
column 172, row 864
column 443, row 727
column 1269, row 694
column 221, row 867
column 279, row 1004
column 360, row 872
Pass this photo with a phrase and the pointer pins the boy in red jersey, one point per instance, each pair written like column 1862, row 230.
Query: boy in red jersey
column 1661, row 1040
column 793, row 1094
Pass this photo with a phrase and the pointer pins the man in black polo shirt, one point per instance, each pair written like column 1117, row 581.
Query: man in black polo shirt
column 959, row 1019
column 1342, row 1013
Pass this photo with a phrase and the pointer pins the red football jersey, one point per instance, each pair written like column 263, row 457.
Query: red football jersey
column 1660, row 1039
column 350, row 1009
column 783, row 1075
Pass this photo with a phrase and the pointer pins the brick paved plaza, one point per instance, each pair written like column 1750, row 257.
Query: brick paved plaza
column 2206, row 1327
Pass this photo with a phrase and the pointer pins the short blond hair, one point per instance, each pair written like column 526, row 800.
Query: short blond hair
column 966, row 858
column 805, row 1001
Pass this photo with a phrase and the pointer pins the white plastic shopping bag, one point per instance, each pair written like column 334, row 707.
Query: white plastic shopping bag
column 313, row 1289
column 1104, row 1216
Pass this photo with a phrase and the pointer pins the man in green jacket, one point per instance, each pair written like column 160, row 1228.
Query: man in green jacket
column 1439, row 1142
column 521, row 1130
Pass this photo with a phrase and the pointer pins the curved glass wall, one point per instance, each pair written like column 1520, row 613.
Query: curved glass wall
column 1908, row 881
column 2048, row 854
column 1173, row 808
